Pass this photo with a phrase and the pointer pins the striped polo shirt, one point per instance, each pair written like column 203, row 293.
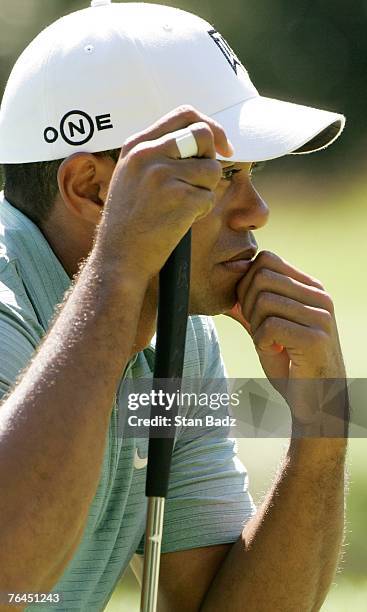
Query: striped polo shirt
column 208, row 500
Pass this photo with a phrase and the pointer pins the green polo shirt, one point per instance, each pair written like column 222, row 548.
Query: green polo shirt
column 208, row 500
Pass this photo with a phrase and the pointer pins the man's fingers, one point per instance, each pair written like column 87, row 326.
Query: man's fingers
column 179, row 119
column 166, row 146
column 196, row 172
column 272, row 305
column 265, row 280
column 203, row 136
column 270, row 261
column 204, row 173
column 288, row 334
column 160, row 159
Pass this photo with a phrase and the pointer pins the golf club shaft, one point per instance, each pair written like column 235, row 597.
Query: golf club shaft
column 174, row 289
column 152, row 553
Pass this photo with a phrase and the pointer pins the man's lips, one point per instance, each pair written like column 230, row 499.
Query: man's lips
column 240, row 263
column 239, row 266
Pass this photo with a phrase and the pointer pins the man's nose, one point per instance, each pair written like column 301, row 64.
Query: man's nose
column 248, row 211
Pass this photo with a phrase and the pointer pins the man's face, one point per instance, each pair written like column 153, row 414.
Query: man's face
column 224, row 234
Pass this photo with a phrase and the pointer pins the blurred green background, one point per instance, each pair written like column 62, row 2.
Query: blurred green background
column 313, row 53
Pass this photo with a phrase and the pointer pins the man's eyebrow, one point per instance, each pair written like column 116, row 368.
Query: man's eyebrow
column 231, row 164
column 228, row 164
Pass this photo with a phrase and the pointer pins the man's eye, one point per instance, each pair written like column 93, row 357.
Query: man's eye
column 227, row 174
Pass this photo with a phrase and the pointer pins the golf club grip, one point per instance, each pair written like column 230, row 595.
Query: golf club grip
column 173, row 308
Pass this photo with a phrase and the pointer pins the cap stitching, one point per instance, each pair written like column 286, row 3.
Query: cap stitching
column 236, row 104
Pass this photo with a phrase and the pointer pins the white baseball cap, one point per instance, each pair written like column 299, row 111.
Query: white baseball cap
column 95, row 77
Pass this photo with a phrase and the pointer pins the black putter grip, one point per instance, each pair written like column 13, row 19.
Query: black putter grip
column 174, row 289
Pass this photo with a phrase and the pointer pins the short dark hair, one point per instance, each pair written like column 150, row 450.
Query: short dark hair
column 32, row 187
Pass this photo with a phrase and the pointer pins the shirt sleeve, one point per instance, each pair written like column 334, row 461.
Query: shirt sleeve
column 20, row 334
column 208, row 501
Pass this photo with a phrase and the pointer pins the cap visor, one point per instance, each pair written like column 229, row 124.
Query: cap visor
column 264, row 128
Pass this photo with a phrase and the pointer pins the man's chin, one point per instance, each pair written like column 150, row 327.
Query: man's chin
column 212, row 305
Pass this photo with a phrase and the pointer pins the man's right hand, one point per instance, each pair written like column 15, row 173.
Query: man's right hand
column 155, row 196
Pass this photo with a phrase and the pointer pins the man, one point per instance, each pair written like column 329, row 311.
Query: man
column 90, row 227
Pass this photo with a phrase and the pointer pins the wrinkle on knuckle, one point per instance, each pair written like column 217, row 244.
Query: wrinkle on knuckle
column 318, row 283
column 259, row 279
column 187, row 112
column 138, row 154
column 328, row 302
column 203, row 130
column 171, row 192
column 264, row 298
column 185, row 190
column 181, row 190
column 264, row 332
column 267, row 256
column 324, row 299
column 125, row 148
column 271, row 323
column 129, row 144
column 267, row 327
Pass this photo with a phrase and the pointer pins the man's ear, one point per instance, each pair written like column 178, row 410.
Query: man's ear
column 84, row 180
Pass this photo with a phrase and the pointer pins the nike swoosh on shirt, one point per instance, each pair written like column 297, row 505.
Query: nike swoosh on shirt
column 140, row 462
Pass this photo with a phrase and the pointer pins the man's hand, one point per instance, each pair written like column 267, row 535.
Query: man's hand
column 288, row 552
column 291, row 320
column 155, row 196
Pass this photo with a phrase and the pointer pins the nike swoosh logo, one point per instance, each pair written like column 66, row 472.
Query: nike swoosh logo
column 139, row 462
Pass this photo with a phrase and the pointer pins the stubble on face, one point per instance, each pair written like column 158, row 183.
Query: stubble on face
column 216, row 238
column 213, row 288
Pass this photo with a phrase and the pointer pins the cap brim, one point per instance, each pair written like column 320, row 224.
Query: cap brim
column 264, row 128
